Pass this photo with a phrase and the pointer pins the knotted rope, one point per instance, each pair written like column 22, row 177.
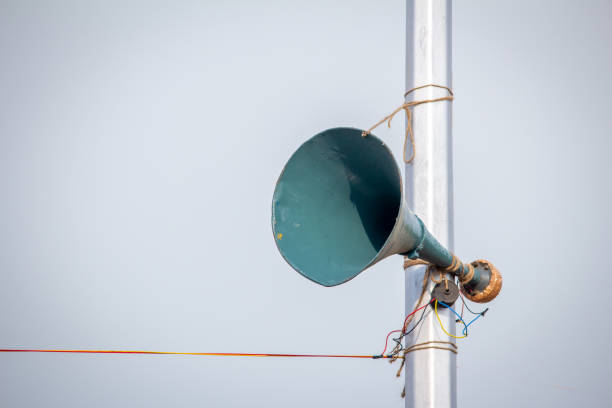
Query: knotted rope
column 424, row 346
column 407, row 107
column 395, row 352
column 434, row 344
column 455, row 266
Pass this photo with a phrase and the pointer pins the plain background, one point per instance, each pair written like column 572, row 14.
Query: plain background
column 139, row 147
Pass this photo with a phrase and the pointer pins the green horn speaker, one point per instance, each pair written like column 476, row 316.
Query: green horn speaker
column 339, row 208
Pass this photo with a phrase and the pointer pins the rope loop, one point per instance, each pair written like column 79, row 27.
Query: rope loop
column 431, row 344
column 407, row 108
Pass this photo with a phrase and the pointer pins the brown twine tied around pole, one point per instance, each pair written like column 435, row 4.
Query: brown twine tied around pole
column 424, row 346
column 432, row 344
column 454, row 266
column 411, row 262
column 395, row 352
column 406, row 107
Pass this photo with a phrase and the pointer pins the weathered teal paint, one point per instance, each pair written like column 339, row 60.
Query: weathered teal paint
column 338, row 209
column 335, row 204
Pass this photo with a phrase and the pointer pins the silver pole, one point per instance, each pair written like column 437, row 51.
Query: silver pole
column 431, row 374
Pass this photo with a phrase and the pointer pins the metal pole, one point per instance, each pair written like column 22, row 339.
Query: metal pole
column 431, row 374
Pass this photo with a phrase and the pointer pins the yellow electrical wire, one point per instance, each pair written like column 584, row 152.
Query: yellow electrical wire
column 442, row 326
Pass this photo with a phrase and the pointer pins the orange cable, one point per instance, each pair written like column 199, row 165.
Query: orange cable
column 189, row 354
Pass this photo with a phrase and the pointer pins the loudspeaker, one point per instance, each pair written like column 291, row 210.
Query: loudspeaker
column 339, row 208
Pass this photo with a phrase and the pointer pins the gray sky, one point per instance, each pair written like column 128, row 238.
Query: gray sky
column 139, row 147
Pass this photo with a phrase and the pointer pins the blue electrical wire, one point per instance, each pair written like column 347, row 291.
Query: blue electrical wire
column 460, row 318
column 471, row 321
column 472, row 312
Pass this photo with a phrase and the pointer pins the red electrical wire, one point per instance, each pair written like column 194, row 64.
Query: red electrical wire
column 184, row 353
column 404, row 326
column 414, row 311
column 217, row 354
column 387, row 340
